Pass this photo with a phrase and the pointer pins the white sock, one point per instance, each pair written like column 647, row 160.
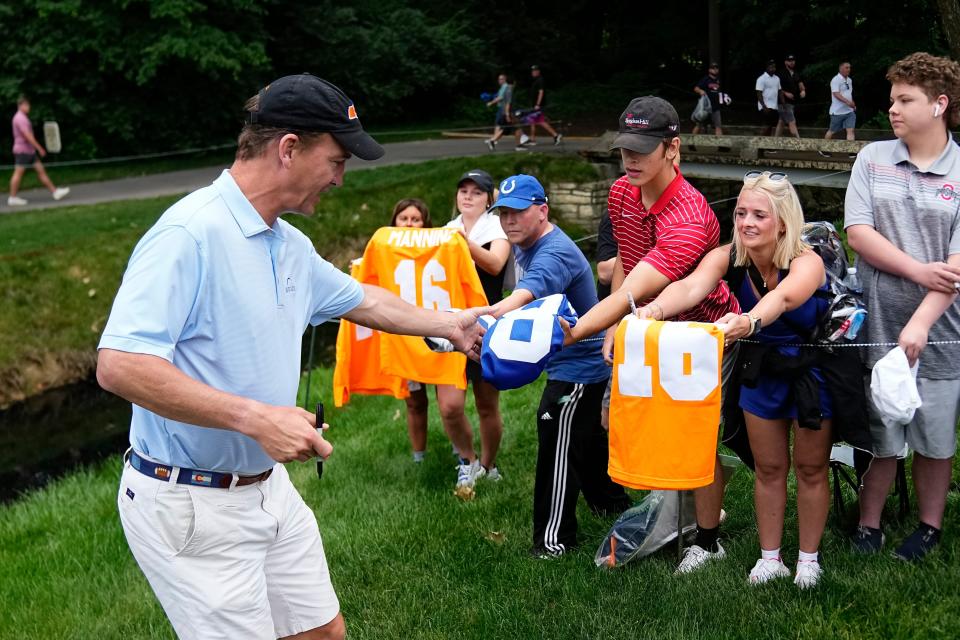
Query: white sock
column 770, row 554
column 808, row 557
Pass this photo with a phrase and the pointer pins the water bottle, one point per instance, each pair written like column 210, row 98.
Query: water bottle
column 852, row 281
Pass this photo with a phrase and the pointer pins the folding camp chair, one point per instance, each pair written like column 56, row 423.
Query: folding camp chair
column 844, row 459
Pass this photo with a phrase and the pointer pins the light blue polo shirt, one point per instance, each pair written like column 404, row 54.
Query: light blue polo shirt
column 226, row 299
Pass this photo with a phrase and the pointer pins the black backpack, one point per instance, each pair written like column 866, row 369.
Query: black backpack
column 843, row 302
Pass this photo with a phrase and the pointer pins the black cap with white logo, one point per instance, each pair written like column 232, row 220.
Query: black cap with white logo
column 645, row 123
column 479, row 177
column 307, row 103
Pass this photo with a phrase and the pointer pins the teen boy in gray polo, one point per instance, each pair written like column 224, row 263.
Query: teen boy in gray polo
column 903, row 218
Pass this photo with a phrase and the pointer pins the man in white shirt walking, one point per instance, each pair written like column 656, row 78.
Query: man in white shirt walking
column 843, row 110
column 769, row 97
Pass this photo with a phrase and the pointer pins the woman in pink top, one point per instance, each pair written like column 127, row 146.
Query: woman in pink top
column 25, row 150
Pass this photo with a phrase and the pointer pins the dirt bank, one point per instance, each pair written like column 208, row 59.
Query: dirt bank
column 39, row 372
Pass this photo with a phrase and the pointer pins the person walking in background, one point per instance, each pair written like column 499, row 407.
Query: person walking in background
column 843, row 110
column 769, row 97
column 537, row 117
column 504, row 102
column 25, row 151
column 900, row 215
column 793, row 89
column 709, row 86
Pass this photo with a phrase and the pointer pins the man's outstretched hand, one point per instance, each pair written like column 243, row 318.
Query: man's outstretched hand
column 467, row 334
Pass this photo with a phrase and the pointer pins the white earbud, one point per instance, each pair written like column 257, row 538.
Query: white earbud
column 936, row 111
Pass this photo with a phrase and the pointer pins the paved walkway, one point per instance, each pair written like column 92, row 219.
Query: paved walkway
column 177, row 182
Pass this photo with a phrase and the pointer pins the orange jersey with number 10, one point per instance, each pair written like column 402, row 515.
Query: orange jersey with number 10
column 665, row 404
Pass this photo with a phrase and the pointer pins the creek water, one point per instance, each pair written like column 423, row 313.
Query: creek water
column 56, row 432
column 52, row 434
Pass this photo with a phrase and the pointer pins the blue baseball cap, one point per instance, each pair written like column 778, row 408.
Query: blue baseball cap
column 519, row 192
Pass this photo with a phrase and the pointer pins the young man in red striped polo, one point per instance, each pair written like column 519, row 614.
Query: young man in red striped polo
column 663, row 227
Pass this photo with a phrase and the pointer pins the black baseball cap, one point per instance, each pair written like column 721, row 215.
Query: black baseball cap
column 305, row 102
column 534, row 67
column 713, row 65
column 479, row 177
column 790, row 56
column 645, row 123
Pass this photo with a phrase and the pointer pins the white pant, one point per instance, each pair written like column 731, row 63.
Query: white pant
column 246, row 562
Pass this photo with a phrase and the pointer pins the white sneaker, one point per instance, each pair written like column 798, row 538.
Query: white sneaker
column 557, row 139
column 808, row 574
column 696, row 556
column 491, row 143
column 766, row 570
column 16, row 201
column 493, row 475
column 524, row 138
column 60, row 193
column 469, row 473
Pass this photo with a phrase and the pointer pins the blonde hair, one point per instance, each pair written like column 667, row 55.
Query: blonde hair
column 785, row 207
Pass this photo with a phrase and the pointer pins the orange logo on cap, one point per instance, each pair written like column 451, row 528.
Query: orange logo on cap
column 352, row 112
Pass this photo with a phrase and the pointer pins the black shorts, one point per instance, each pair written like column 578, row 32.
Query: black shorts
column 501, row 122
column 769, row 117
column 474, row 371
column 24, row 159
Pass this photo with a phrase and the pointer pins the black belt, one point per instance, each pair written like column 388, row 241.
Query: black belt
column 195, row 477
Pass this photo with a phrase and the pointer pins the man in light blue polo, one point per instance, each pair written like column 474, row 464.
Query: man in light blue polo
column 204, row 339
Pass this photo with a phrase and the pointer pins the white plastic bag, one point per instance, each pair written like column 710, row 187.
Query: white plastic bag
column 652, row 524
column 893, row 387
column 701, row 113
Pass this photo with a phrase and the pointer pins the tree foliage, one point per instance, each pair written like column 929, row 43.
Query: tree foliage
column 123, row 76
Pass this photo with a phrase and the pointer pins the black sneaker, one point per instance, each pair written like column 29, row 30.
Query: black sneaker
column 542, row 553
column 867, row 540
column 918, row 544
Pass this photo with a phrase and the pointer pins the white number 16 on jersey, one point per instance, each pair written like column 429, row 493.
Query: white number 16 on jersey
column 686, row 362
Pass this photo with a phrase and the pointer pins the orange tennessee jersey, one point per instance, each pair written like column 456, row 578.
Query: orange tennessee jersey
column 430, row 268
column 665, row 404
column 358, row 362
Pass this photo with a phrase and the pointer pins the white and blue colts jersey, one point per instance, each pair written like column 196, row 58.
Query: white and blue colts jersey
column 517, row 347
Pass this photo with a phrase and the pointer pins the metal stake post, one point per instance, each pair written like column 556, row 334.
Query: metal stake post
column 306, row 392
column 679, row 525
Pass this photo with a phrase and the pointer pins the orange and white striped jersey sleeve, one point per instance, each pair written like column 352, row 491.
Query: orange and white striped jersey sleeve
column 665, row 404
column 358, row 361
column 430, row 268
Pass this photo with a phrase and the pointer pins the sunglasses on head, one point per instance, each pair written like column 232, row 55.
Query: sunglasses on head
column 775, row 176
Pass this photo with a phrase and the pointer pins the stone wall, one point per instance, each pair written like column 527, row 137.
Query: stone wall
column 581, row 203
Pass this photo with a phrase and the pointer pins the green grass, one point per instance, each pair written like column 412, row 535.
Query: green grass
column 60, row 268
column 410, row 561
